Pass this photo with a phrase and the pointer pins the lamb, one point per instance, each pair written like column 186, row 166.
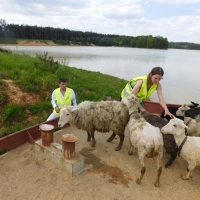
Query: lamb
column 191, row 123
column 168, row 139
column 145, row 137
column 103, row 116
column 189, row 146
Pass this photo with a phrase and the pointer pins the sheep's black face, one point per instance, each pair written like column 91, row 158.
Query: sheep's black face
column 193, row 112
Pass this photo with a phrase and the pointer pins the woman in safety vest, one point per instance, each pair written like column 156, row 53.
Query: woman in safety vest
column 60, row 97
column 144, row 86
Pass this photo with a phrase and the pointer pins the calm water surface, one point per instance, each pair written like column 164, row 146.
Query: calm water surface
column 180, row 81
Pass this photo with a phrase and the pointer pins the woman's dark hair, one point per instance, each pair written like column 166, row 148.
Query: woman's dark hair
column 157, row 70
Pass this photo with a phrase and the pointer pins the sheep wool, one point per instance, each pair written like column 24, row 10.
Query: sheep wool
column 190, row 150
column 103, row 116
column 146, row 138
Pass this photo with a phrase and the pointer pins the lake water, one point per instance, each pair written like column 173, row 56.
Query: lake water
column 182, row 67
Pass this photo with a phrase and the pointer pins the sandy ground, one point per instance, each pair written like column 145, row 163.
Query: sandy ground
column 32, row 43
column 25, row 174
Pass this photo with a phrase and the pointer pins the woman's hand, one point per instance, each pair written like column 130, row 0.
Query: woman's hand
column 168, row 113
column 142, row 110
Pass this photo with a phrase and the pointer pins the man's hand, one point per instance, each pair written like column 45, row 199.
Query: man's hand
column 57, row 109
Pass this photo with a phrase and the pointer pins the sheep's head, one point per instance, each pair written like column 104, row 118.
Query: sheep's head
column 182, row 109
column 67, row 115
column 131, row 102
column 175, row 127
column 193, row 112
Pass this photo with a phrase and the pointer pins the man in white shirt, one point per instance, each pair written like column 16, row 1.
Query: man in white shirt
column 60, row 97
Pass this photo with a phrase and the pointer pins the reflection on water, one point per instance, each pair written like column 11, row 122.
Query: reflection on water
column 181, row 66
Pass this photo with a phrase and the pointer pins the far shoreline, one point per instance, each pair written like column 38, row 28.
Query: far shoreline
column 40, row 43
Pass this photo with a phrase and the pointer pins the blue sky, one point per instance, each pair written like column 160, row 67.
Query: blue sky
column 177, row 20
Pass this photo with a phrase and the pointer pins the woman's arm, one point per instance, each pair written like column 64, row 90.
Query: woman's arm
column 162, row 101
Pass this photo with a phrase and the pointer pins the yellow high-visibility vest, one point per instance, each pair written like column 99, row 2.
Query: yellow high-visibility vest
column 62, row 102
column 143, row 92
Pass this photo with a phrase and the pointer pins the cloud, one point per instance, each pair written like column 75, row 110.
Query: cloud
column 177, row 20
column 179, row 2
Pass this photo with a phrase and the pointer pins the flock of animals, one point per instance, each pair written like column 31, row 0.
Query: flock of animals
column 148, row 132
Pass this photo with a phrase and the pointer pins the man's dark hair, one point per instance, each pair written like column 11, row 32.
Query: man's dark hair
column 64, row 80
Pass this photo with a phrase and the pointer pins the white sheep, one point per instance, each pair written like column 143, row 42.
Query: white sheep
column 103, row 116
column 194, row 113
column 189, row 122
column 146, row 138
column 189, row 146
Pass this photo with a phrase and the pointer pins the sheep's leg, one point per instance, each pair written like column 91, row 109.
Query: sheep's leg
column 130, row 152
column 93, row 140
column 89, row 136
column 121, row 136
column 189, row 174
column 110, row 139
column 159, row 171
column 159, row 167
column 172, row 158
column 143, row 169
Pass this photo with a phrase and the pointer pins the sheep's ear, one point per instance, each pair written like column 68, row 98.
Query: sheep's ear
column 74, row 109
column 184, row 126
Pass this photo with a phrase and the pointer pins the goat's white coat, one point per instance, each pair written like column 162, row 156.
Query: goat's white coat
column 191, row 148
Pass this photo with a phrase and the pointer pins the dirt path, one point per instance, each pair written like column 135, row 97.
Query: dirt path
column 25, row 174
column 17, row 96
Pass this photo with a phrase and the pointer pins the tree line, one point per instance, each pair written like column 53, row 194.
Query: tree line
column 9, row 33
column 184, row 45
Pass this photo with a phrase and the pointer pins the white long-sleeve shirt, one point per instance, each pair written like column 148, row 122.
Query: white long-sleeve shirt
column 53, row 99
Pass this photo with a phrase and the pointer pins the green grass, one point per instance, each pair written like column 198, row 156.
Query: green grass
column 40, row 75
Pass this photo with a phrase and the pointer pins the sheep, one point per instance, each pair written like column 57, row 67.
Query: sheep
column 188, row 146
column 146, row 138
column 191, row 123
column 194, row 113
column 173, row 110
column 168, row 139
column 103, row 116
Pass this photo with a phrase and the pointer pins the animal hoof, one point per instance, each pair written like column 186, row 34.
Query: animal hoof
column 117, row 148
column 92, row 145
column 166, row 165
column 138, row 181
column 130, row 153
column 185, row 178
column 156, row 184
column 109, row 140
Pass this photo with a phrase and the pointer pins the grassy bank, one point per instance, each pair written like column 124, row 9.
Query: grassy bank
column 39, row 76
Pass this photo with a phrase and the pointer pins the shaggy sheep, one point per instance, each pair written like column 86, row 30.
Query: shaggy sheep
column 145, row 137
column 188, row 146
column 189, row 122
column 103, row 116
column 168, row 139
